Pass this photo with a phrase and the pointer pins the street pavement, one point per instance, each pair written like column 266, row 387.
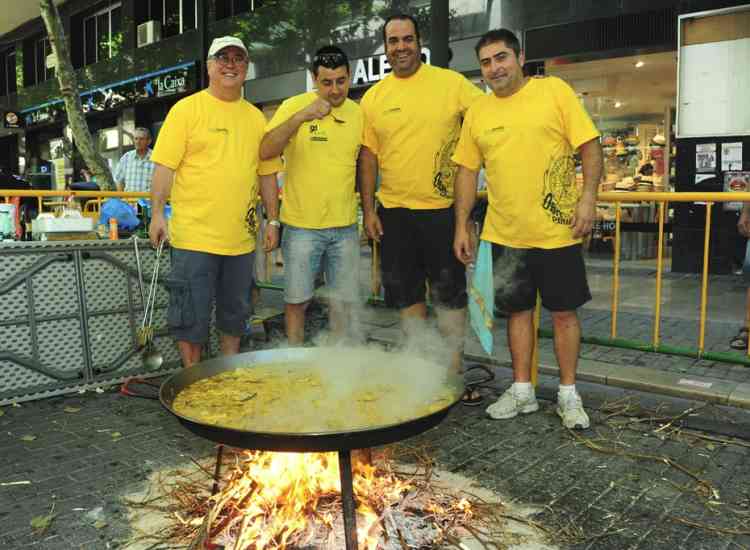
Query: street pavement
column 637, row 479
column 664, row 464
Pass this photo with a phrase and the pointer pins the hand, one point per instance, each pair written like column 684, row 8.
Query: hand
column 271, row 238
column 584, row 217
column 373, row 227
column 157, row 230
column 317, row 109
column 743, row 225
column 465, row 243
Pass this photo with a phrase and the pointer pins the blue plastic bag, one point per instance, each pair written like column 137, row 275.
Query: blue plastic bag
column 481, row 297
column 122, row 212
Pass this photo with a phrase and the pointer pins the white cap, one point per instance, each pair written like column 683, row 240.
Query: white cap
column 224, row 42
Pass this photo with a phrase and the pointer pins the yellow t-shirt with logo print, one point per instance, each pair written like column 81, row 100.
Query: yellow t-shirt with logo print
column 526, row 142
column 212, row 145
column 321, row 165
column 412, row 125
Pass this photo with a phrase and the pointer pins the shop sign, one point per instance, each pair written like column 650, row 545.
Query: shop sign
column 163, row 83
column 368, row 70
column 171, row 83
column 12, row 120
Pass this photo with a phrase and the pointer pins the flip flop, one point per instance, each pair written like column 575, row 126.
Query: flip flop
column 739, row 341
column 471, row 397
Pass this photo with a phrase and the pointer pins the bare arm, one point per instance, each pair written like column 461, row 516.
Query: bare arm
column 585, row 214
column 743, row 225
column 269, row 194
column 274, row 141
column 465, row 195
column 161, row 187
column 368, row 172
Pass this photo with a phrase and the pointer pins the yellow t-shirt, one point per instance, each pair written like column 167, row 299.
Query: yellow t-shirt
column 321, row 165
column 412, row 125
column 213, row 147
column 526, row 142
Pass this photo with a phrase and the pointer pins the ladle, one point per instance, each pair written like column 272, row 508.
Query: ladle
column 152, row 358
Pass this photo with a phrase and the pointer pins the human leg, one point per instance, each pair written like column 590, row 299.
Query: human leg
column 402, row 267
column 342, row 277
column 567, row 335
column 561, row 275
column 233, row 300
column 515, row 293
column 447, row 278
column 190, row 353
column 193, row 279
column 303, row 249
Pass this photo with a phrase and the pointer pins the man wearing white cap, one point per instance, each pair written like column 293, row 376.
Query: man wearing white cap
column 206, row 162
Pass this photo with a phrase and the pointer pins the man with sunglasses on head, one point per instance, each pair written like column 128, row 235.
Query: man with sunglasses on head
column 207, row 164
column 412, row 123
column 319, row 134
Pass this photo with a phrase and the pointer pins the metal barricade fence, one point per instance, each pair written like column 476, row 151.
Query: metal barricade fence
column 655, row 344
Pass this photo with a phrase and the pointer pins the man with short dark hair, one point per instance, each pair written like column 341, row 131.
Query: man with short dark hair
column 412, row 123
column 526, row 133
column 207, row 163
column 135, row 169
column 319, row 133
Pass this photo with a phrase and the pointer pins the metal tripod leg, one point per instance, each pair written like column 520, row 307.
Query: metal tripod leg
column 347, row 500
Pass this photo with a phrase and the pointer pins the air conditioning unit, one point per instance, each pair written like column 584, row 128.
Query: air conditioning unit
column 51, row 61
column 148, row 33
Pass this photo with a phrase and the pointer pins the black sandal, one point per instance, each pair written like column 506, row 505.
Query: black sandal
column 472, row 397
column 739, row 341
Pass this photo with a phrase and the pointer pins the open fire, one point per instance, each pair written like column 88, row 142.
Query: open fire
column 292, row 501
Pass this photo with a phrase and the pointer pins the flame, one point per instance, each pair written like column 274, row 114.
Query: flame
column 276, row 500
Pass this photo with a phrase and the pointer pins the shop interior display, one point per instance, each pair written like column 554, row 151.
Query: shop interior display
column 634, row 159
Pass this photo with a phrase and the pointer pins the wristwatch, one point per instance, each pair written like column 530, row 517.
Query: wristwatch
column 275, row 223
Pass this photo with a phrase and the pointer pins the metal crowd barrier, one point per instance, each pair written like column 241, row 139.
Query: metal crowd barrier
column 655, row 345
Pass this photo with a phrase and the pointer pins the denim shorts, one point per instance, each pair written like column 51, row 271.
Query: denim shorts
column 196, row 281
column 336, row 248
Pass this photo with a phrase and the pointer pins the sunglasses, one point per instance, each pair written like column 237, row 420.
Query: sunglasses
column 330, row 60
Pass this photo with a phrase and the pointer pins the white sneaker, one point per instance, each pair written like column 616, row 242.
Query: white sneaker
column 570, row 409
column 510, row 404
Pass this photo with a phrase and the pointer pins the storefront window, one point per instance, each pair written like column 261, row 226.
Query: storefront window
column 630, row 100
column 102, row 34
column 42, row 49
column 8, row 72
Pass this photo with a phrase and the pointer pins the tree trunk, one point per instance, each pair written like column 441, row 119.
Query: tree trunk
column 68, row 82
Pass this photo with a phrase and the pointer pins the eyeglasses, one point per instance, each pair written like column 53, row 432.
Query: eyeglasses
column 329, row 60
column 226, row 59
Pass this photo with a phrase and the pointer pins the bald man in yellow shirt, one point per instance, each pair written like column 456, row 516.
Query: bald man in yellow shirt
column 412, row 123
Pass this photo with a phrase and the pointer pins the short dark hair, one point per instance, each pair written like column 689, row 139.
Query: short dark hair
column 499, row 35
column 330, row 57
column 402, row 17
